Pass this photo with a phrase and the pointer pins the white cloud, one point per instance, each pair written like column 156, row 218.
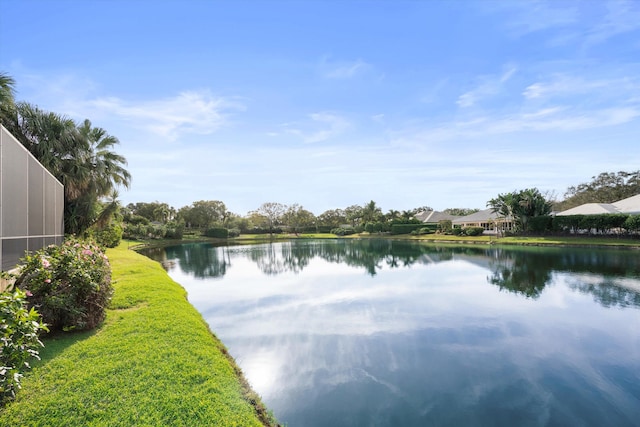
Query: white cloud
column 72, row 94
column 563, row 85
column 584, row 23
column 533, row 16
column 556, row 119
column 378, row 118
column 188, row 112
column 343, row 70
column 621, row 17
column 490, row 86
column 330, row 124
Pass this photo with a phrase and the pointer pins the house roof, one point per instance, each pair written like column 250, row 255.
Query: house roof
column 435, row 216
column 590, row 209
column 480, row 216
column 630, row 205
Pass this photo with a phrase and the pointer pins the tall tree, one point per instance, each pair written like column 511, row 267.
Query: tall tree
column 273, row 212
column 7, row 91
column 371, row 212
column 520, row 206
column 153, row 211
column 297, row 218
column 353, row 214
column 96, row 173
column 78, row 156
column 204, row 213
column 333, row 218
column 392, row 215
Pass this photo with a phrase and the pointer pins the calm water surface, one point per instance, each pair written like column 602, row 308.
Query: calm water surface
column 384, row 333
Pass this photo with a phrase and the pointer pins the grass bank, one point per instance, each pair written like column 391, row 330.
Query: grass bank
column 154, row 362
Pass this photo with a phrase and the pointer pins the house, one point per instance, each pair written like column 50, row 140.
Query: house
column 487, row 219
column 31, row 203
column 630, row 205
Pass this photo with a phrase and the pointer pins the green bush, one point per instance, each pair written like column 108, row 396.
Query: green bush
column 234, row 232
column 70, row 284
column 405, row 228
column 218, row 232
column 457, row 231
column 174, row 230
column 341, row 231
column 445, row 226
column 136, row 219
column 540, row 224
column 473, row 231
column 422, row 231
column 19, row 328
column 109, row 237
column 632, row 223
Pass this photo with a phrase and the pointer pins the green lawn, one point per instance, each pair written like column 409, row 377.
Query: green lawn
column 154, row 362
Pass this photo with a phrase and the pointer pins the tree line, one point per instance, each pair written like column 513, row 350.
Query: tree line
column 158, row 219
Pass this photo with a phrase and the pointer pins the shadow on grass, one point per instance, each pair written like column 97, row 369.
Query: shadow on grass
column 58, row 342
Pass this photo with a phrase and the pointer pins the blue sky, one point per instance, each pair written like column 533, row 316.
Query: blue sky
column 334, row 103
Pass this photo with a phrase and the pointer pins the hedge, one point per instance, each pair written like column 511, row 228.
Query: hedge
column 406, row 228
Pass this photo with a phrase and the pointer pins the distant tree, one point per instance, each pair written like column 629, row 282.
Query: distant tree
column 297, row 218
column 608, row 187
column 273, row 213
column 392, row 215
column 407, row 215
column 153, row 211
column 353, row 214
column 333, row 218
column 235, row 221
column 371, row 212
column 421, row 209
column 203, row 213
column 520, row 206
column 460, row 211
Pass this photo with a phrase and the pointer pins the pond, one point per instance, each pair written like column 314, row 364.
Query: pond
column 395, row 333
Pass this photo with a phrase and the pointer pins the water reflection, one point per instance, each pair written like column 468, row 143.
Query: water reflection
column 522, row 271
column 201, row 260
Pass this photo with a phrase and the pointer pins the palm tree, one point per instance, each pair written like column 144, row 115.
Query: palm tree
column 392, row 214
column 78, row 156
column 7, row 91
column 371, row 212
column 7, row 102
column 97, row 172
column 106, row 168
column 520, row 206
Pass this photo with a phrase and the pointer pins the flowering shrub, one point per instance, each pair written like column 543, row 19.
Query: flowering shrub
column 19, row 329
column 70, row 284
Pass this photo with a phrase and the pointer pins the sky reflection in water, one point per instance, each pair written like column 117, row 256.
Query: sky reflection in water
column 359, row 333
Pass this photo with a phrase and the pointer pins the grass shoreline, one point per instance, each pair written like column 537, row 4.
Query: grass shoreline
column 153, row 362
